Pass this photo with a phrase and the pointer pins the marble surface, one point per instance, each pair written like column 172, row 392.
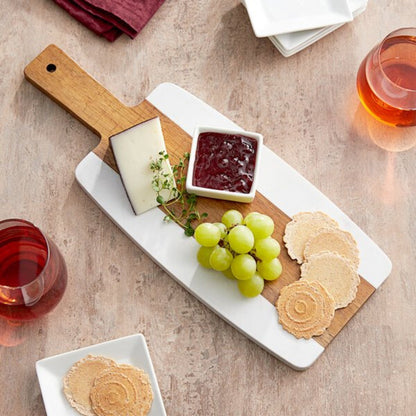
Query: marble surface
column 307, row 108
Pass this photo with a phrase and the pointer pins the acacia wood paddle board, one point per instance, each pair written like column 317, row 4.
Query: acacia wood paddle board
column 282, row 192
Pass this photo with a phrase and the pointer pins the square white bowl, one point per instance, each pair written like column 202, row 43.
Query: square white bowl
column 131, row 350
column 216, row 193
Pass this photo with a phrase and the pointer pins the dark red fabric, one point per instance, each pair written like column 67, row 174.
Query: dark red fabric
column 94, row 23
column 111, row 18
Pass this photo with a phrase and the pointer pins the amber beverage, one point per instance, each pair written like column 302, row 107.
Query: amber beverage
column 33, row 273
column 386, row 79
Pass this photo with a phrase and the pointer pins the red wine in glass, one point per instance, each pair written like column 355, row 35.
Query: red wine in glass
column 33, row 273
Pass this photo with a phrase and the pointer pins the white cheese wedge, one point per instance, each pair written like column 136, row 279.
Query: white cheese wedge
column 134, row 149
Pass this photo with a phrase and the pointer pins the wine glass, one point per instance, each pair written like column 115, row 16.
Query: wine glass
column 386, row 79
column 33, row 274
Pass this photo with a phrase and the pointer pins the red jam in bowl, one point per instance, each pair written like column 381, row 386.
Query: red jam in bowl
column 225, row 162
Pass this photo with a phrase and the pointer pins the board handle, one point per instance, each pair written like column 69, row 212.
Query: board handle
column 65, row 82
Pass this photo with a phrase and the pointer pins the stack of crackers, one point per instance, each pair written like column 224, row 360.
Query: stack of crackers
column 329, row 280
column 98, row 386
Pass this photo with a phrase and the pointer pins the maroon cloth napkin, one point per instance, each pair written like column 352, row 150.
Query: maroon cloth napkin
column 111, row 18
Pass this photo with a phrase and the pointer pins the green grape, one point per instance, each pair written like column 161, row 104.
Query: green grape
column 267, row 248
column 220, row 258
column 228, row 274
column 231, row 218
column 203, row 256
column 261, row 225
column 243, row 266
column 269, row 270
column 222, row 227
column 207, row 234
column 241, row 239
column 251, row 287
column 250, row 215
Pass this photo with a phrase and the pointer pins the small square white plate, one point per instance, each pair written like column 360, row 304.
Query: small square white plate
column 128, row 350
column 273, row 17
column 290, row 43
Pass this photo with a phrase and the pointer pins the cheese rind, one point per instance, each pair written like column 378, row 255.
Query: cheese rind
column 134, row 150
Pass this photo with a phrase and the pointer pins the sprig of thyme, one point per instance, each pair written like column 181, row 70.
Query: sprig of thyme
column 171, row 193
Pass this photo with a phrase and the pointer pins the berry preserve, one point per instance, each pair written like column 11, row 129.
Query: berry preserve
column 225, row 162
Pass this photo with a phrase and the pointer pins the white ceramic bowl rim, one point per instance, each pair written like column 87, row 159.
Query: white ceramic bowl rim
column 216, row 193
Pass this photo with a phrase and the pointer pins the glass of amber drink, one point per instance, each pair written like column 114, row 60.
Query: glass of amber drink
column 33, row 273
column 386, row 79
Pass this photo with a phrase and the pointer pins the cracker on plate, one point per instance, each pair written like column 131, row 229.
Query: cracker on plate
column 301, row 228
column 123, row 390
column 336, row 273
column 305, row 308
column 80, row 379
column 98, row 386
column 113, row 393
column 144, row 388
column 335, row 240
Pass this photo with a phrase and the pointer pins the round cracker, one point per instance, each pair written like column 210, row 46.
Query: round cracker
column 301, row 228
column 335, row 240
column 336, row 273
column 113, row 393
column 144, row 388
column 80, row 379
column 305, row 309
column 122, row 391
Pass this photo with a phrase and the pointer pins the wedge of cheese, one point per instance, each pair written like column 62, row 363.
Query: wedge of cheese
column 134, row 149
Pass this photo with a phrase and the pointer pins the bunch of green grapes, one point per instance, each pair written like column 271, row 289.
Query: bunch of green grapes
column 241, row 248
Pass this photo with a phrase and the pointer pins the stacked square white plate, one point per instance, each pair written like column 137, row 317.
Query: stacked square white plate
column 293, row 25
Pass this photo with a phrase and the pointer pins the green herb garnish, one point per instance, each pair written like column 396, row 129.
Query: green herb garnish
column 179, row 205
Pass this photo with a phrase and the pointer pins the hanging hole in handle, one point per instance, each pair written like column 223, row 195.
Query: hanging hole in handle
column 51, row 68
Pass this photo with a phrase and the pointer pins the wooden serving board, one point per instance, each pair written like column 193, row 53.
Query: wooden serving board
column 59, row 77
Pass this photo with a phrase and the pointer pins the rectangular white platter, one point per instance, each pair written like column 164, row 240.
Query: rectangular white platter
column 176, row 254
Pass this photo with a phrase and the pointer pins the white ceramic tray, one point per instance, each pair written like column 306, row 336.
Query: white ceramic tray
column 128, row 350
column 176, row 254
